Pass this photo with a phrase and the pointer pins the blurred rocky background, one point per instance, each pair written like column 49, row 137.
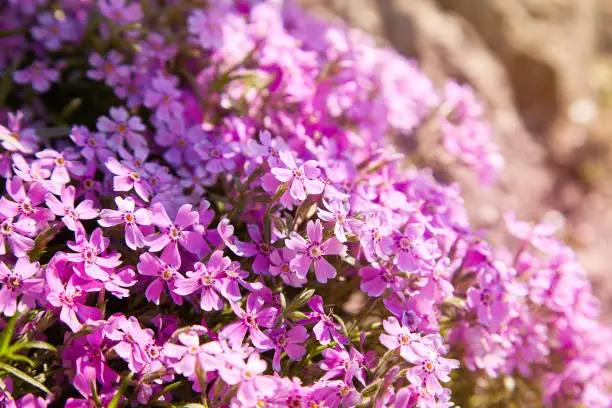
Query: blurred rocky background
column 544, row 69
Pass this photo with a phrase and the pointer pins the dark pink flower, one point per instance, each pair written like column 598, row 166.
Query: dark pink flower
column 127, row 179
column 20, row 281
column 173, row 233
column 254, row 316
column 208, row 282
column 288, row 341
column 25, row 204
column 15, row 234
column 70, row 214
column 98, row 265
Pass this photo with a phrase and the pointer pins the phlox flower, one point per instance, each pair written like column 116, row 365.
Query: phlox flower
column 25, row 204
column 303, row 179
column 251, row 318
column 208, row 282
column 411, row 345
column 281, row 266
column 337, row 212
column 121, row 126
column 165, row 276
column 97, row 264
column 312, row 251
column 325, row 329
column 20, row 281
column 16, row 235
column 127, row 215
column 290, row 341
column 39, row 75
column 71, row 215
column 127, row 179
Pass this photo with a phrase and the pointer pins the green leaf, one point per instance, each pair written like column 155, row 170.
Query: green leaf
column 114, row 403
column 24, row 377
column 31, row 345
column 7, row 334
column 19, row 357
column 94, row 394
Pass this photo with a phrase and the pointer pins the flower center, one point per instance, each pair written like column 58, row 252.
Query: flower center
column 14, row 281
column 92, row 142
column 60, row 161
column 264, row 248
column 175, row 233
column 207, row 280
column 282, row 340
column 404, row 339
column 26, row 207
column 129, row 218
column 298, row 174
column 167, row 274
column 250, row 320
column 429, row 366
column 273, row 152
column 15, row 135
column 285, row 268
column 135, row 176
column 215, row 154
column 248, row 375
column 89, row 183
column 109, row 67
column 193, row 349
column 344, row 391
column 404, row 243
column 89, row 254
column 122, row 128
column 6, row 228
column 315, row 251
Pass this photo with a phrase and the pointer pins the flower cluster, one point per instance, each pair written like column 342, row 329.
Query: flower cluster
column 201, row 206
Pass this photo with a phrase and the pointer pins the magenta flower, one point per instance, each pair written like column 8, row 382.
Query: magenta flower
column 340, row 362
column 488, row 300
column 303, row 179
column 127, row 179
column 207, row 282
column 412, row 251
column 226, row 232
column 20, row 281
column 254, row 316
column 261, row 264
column 70, row 214
column 411, row 345
column 119, row 12
column 71, row 299
column 312, row 251
column 290, row 341
column 18, row 139
column 126, row 214
column 325, row 329
column 15, row 234
column 165, row 277
column 281, row 265
column 110, row 69
column 268, row 147
column 25, row 204
column 38, row 75
column 89, row 351
column 132, row 340
column 375, row 281
column 122, row 126
column 174, row 232
column 91, row 253
column 337, row 212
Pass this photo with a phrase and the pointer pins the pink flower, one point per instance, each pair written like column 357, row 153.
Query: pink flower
column 71, row 299
column 25, row 205
column 174, row 232
column 375, row 281
column 281, row 265
column 303, row 179
column 268, row 148
column 70, row 214
column 209, row 283
column 313, row 250
column 431, row 369
column 132, row 340
column 325, row 329
column 14, row 233
column 289, row 341
column 126, row 179
column 122, row 126
column 164, row 276
column 253, row 384
column 132, row 219
column 254, row 316
column 91, row 253
column 412, row 251
column 20, row 281
column 337, row 212
column 164, row 98
column 63, row 164
column 190, row 354
column 411, row 345
column 488, row 300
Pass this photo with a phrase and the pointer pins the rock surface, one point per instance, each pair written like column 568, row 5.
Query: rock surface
column 531, row 62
